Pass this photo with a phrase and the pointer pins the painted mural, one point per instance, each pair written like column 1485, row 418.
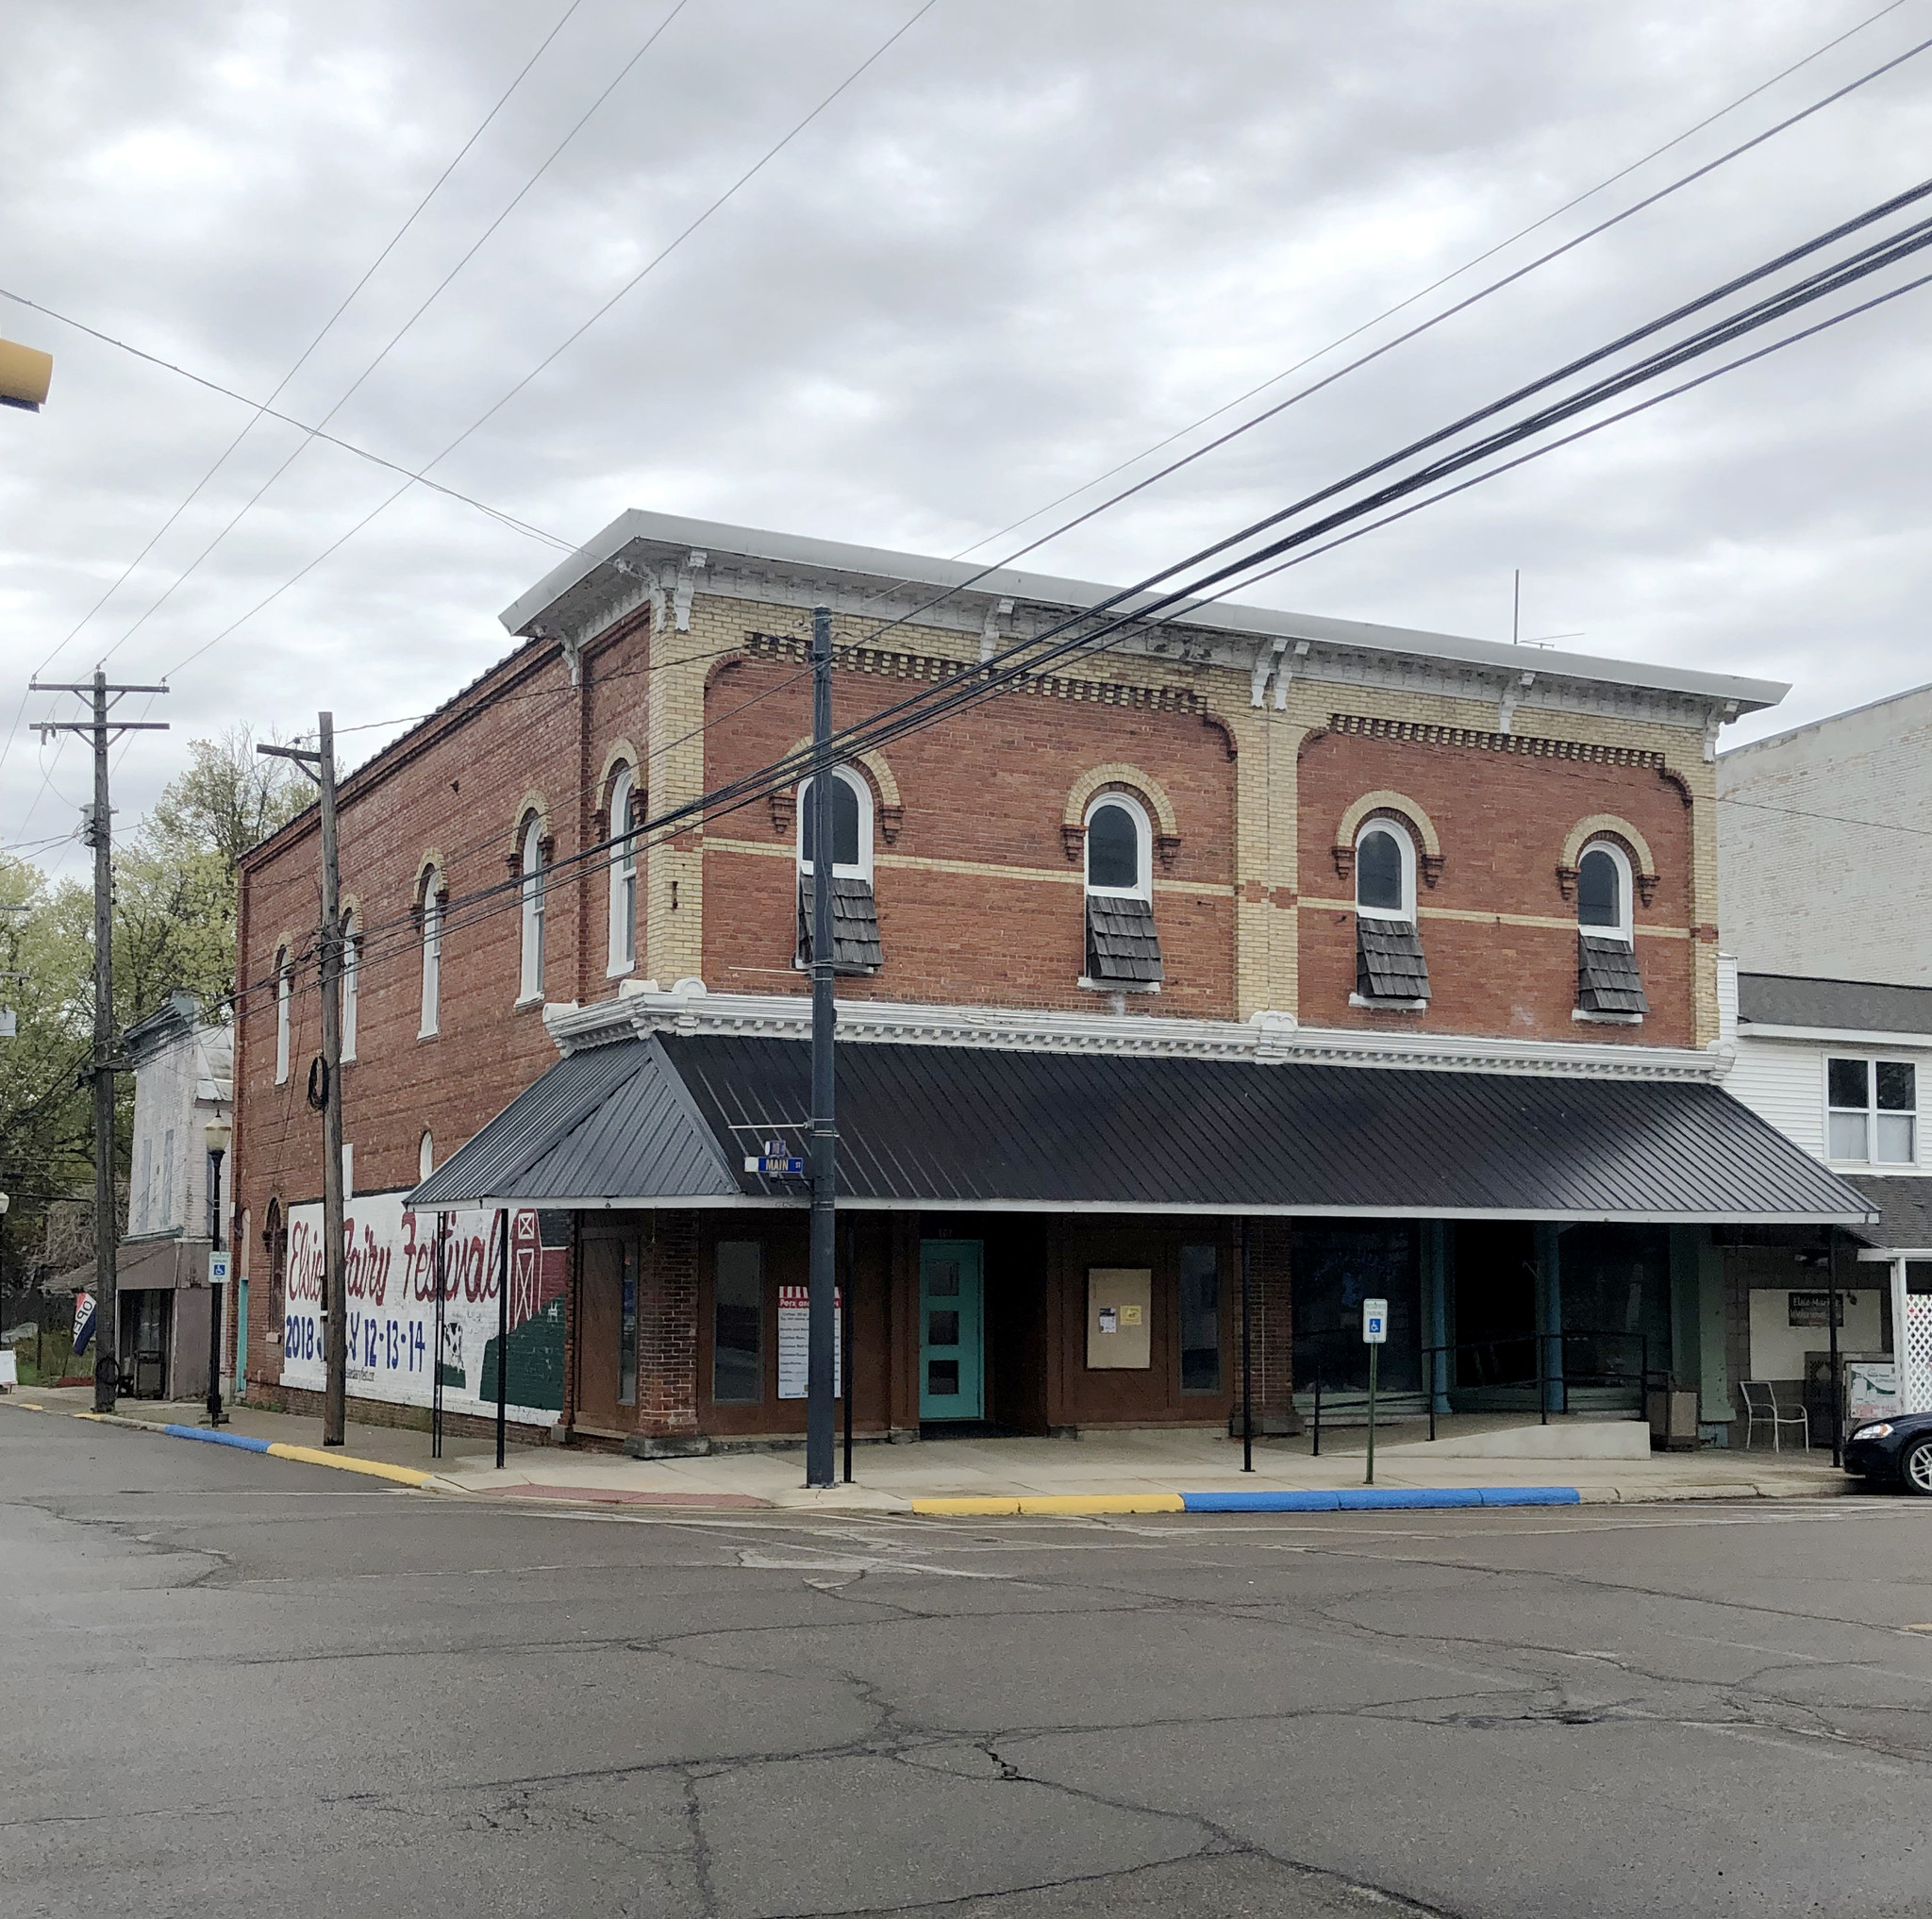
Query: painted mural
column 399, row 1342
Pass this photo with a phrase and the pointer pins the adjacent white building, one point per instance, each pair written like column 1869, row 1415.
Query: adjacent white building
column 183, row 1084
column 1825, row 855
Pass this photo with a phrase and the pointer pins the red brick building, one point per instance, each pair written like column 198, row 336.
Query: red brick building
column 1390, row 955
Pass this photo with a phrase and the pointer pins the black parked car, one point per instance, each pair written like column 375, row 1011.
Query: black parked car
column 1897, row 1448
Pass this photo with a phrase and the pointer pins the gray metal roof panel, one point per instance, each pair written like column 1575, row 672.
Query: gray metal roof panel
column 673, row 533
column 1853, row 1006
column 939, row 1125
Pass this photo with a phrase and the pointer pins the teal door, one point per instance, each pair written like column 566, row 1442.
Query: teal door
column 240, row 1391
column 950, row 1330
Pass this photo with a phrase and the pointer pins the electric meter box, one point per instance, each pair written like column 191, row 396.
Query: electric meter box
column 1120, row 1313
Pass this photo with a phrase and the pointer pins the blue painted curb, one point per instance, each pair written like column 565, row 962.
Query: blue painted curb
column 1381, row 1499
column 217, row 1439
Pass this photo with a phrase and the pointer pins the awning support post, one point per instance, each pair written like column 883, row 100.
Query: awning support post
column 1837, row 1372
column 1247, row 1358
column 819, row 1328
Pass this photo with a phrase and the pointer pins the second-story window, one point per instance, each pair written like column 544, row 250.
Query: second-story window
column 855, row 912
column 1607, row 983
column 1123, row 946
column 285, row 987
column 624, row 875
column 1872, row 1111
column 531, row 982
column 352, row 965
column 1389, row 968
column 432, row 954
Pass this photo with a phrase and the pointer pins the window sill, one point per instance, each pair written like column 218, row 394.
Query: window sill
column 1397, row 1005
column 1606, row 1019
column 527, row 1002
column 1088, row 984
column 622, row 971
column 430, row 1033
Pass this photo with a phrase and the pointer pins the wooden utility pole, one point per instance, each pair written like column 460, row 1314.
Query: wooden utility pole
column 321, row 767
column 100, row 835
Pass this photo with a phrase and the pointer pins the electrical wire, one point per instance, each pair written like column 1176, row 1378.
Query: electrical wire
column 973, row 687
column 396, row 339
column 1435, row 285
column 263, row 409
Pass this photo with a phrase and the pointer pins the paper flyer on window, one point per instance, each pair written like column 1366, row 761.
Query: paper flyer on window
column 794, row 1332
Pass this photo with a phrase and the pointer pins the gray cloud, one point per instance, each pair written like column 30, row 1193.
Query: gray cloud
column 1032, row 240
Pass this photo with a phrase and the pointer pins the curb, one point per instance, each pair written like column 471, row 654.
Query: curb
column 308, row 1456
column 1359, row 1499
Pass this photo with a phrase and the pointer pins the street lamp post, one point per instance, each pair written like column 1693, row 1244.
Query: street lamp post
column 217, row 1134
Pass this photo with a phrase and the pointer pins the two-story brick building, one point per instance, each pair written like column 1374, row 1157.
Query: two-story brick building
column 1382, row 962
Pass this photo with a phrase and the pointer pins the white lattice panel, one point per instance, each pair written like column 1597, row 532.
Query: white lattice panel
column 1916, row 1384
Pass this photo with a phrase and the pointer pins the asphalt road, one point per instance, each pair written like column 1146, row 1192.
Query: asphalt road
column 235, row 1685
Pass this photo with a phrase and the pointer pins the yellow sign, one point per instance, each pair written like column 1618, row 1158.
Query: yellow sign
column 25, row 373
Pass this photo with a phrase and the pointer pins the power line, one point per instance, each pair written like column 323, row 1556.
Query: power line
column 264, row 407
column 973, row 686
column 1468, row 266
column 397, row 338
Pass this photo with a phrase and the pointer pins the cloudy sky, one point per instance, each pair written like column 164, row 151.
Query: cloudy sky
column 1031, row 240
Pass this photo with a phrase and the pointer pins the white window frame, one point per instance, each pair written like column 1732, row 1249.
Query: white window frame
column 1625, row 927
column 624, row 879
column 1405, row 842
column 285, row 987
column 352, row 964
column 530, row 967
column 841, row 869
column 1870, row 1113
column 1143, row 887
column 431, row 1021
column 426, row 1155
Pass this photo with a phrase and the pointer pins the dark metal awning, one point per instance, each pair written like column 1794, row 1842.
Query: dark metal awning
column 670, row 1120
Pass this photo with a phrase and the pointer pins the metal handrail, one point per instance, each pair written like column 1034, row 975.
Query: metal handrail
column 1644, row 1378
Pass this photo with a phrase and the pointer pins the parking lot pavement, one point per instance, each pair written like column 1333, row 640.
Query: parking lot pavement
column 235, row 1684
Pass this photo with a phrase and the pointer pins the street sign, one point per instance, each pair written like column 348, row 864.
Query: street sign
column 1375, row 1321
column 218, row 1269
column 786, row 1167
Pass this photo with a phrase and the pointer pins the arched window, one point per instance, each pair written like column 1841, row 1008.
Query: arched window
column 855, row 913
column 285, row 988
column 432, row 954
column 1603, row 890
column 1608, row 985
column 851, row 826
column 1120, row 846
column 1122, row 948
column 274, row 1243
column 1384, row 871
column 530, row 984
column 624, row 875
column 352, row 963
column 426, row 1155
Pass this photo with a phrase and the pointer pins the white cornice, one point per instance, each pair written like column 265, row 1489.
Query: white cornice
column 1268, row 1039
column 1834, row 1036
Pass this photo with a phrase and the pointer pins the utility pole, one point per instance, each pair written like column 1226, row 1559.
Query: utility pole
column 321, row 767
column 821, row 1328
column 102, row 731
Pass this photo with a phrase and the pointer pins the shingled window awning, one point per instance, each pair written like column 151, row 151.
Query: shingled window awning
column 855, row 925
column 1606, row 978
column 1122, row 948
column 1388, row 963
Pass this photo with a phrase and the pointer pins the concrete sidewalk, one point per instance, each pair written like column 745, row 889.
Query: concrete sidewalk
column 1123, row 1471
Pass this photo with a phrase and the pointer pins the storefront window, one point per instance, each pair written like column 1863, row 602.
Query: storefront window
column 1338, row 1266
column 1200, row 1320
column 738, row 1324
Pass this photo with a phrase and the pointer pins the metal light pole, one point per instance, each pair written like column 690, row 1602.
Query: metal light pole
column 821, row 1331
column 217, row 1133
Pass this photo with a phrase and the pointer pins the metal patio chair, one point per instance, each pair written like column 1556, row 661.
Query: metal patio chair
column 1762, row 1409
